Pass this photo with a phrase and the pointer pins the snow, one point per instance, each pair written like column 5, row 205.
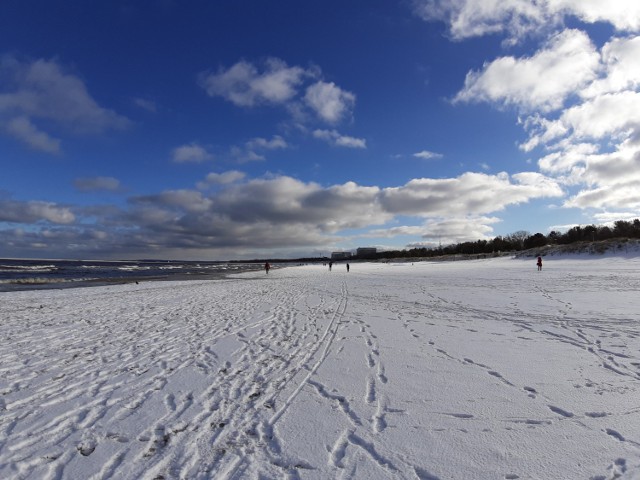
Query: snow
column 482, row 369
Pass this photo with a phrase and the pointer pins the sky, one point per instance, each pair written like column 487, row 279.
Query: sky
column 248, row 129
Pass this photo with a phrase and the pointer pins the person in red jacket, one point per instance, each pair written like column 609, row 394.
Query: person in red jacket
column 539, row 263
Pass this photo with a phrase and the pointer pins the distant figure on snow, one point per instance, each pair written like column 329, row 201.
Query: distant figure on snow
column 330, row 265
column 267, row 267
column 539, row 263
column 347, row 268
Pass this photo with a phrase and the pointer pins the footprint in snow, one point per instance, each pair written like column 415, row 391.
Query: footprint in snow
column 87, row 445
column 460, row 415
column 560, row 411
column 615, row 434
column 596, row 414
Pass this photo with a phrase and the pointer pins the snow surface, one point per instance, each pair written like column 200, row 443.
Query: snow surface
column 482, row 369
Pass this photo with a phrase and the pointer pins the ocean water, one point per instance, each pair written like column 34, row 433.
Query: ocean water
column 38, row 274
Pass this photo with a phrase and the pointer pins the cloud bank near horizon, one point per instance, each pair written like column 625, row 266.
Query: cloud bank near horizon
column 279, row 213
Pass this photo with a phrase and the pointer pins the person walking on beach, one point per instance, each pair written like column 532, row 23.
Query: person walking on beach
column 539, row 263
column 267, row 267
column 347, row 268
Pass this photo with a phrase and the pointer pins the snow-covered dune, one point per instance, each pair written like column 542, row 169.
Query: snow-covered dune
column 483, row 369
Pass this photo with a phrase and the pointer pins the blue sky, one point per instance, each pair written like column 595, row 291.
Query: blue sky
column 242, row 129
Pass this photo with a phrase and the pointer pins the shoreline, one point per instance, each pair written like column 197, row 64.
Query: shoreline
column 40, row 283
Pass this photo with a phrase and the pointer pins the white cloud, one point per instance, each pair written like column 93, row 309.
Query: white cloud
column 301, row 92
column 611, row 217
column 91, row 184
column 611, row 115
column 190, row 153
column 245, row 85
column 277, row 142
column 338, row 140
column 620, row 66
column 472, row 18
column 622, row 194
column 580, row 101
column 190, row 201
column 147, row 105
column 253, row 150
column 329, row 101
column 452, row 230
column 415, row 230
column 25, row 131
column 244, row 155
column 567, row 63
column 472, row 193
column 41, row 90
column 624, row 15
column 606, row 180
column 427, row 155
column 278, row 213
column 231, row 176
column 34, row 212
column 517, row 18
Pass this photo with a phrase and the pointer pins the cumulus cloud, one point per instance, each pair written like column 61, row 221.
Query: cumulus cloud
column 225, row 178
column 191, row 153
column 290, row 204
column 338, row 140
column 179, row 200
column 245, row 85
column 14, row 211
column 275, row 213
column 567, row 63
column 287, row 200
column 624, row 15
column 92, row 184
column 620, row 67
column 624, row 194
column 459, row 229
column 24, row 130
column 427, row 155
column 441, row 231
column 609, row 115
column 329, row 101
column 472, row 18
column 472, row 193
column 255, row 149
column 300, row 91
column 148, row 105
column 41, row 91
column 277, row 142
column 578, row 96
column 517, row 18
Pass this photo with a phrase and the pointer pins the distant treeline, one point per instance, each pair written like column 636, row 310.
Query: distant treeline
column 523, row 240
column 517, row 241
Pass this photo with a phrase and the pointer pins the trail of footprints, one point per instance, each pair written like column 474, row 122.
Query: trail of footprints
column 231, row 411
column 360, row 438
column 562, row 413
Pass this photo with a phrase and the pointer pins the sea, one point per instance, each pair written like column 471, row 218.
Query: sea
column 40, row 274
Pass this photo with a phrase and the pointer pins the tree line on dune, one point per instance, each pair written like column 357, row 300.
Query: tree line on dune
column 523, row 240
column 517, row 241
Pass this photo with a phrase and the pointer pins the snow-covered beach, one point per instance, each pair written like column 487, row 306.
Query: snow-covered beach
column 481, row 369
